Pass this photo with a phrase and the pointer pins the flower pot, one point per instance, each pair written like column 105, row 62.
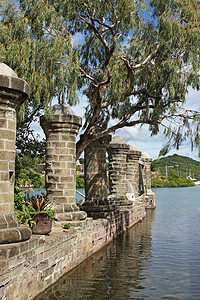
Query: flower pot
column 43, row 224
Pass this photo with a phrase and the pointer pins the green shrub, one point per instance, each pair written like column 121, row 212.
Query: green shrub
column 66, row 226
column 80, row 181
column 26, row 208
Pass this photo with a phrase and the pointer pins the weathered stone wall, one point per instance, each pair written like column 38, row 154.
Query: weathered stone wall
column 132, row 173
column 149, row 196
column 13, row 91
column 28, row 268
column 95, row 171
column 96, row 199
column 117, row 156
column 61, row 134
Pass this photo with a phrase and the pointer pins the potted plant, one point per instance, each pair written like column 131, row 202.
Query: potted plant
column 43, row 214
column 35, row 211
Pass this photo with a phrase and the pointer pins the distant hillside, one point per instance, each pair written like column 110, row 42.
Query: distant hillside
column 173, row 170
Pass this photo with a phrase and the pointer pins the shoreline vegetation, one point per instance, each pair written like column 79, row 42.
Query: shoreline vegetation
column 170, row 171
column 174, row 171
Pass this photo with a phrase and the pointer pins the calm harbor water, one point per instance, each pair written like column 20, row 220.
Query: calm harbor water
column 159, row 258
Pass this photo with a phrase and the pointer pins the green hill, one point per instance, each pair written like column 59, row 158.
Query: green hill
column 173, row 171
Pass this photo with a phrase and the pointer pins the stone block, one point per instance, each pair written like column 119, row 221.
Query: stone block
column 11, row 220
column 4, row 166
column 3, row 252
column 9, row 145
column 11, row 125
column 68, row 179
column 71, row 145
column 60, row 186
column 52, row 157
column 6, row 198
column 58, row 208
column 23, row 246
column 71, row 165
column 65, row 158
column 55, row 193
column 68, row 138
column 72, row 152
column 57, row 164
column 7, row 156
column 58, row 144
column 7, row 135
column 4, row 187
column 3, row 123
column 4, row 176
column 59, row 200
column 13, row 251
column 53, row 179
column 4, row 208
column 53, row 137
column 68, row 193
column 4, row 81
column 63, row 171
column 61, row 151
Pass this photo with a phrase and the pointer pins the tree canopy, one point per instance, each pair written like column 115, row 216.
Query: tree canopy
column 135, row 61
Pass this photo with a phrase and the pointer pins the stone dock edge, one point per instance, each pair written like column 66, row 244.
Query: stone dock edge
column 28, row 268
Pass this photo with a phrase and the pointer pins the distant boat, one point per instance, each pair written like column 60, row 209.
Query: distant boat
column 196, row 182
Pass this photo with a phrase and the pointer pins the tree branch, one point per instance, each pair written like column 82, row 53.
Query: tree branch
column 93, row 80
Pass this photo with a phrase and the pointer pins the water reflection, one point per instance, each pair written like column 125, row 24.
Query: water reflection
column 159, row 258
column 116, row 272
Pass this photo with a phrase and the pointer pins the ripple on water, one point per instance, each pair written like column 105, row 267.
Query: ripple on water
column 159, row 258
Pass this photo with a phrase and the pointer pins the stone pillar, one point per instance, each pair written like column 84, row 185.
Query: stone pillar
column 132, row 173
column 96, row 204
column 149, row 196
column 13, row 92
column 117, row 155
column 61, row 132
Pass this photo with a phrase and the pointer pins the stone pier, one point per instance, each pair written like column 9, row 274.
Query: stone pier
column 96, row 203
column 61, row 134
column 30, row 264
column 149, row 196
column 13, row 91
column 117, row 156
column 132, row 173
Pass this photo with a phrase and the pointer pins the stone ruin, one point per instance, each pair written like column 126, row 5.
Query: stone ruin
column 31, row 263
column 129, row 170
column 13, row 91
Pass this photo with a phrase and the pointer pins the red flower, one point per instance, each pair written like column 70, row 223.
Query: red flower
column 26, row 191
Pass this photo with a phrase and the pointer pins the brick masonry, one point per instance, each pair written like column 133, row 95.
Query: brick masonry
column 96, row 199
column 149, row 196
column 13, row 91
column 117, row 156
column 61, row 132
column 132, row 173
column 30, row 267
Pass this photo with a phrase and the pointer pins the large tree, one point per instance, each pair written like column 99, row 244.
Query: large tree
column 134, row 63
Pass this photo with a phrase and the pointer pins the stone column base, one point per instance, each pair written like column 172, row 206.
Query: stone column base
column 98, row 211
column 11, row 231
column 120, row 200
column 71, row 216
column 149, row 200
